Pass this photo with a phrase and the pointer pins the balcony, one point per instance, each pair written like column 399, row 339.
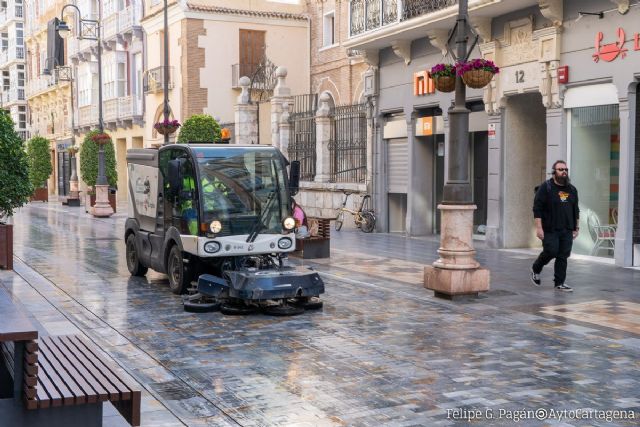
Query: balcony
column 129, row 18
column 13, row 53
column 376, row 24
column 39, row 85
column 121, row 25
column 263, row 75
column 88, row 115
column 12, row 12
column 154, row 80
column 117, row 110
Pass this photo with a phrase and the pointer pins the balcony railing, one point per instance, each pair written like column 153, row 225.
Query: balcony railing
column 39, row 85
column 12, row 95
column 87, row 115
column 13, row 53
column 154, row 79
column 241, row 70
column 110, row 25
column 129, row 17
column 23, row 134
column 122, row 108
column 368, row 15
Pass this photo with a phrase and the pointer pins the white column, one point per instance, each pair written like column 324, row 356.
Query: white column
column 323, row 137
column 624, row 233
column 246, row 116
column 281, row 95
column 284, row 130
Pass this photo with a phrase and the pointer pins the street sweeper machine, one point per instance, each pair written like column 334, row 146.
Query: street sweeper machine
column 217, row 220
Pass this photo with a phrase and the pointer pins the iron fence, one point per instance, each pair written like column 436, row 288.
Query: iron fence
column 302, row 141
column 413, row 8
column 348, row 145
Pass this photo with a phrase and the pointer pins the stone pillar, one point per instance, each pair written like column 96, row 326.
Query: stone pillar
column 624, row 233
column 323, row 137
column 284, row 130
column 494, row 233
column 281, row 95
column 246, row 116
column 556, row 136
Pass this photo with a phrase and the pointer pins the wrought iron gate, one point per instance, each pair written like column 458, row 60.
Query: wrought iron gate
column 302, row 141
column 348, row 145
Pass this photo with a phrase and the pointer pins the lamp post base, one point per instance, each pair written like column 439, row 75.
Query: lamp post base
column 456, row 272
column 102, row 208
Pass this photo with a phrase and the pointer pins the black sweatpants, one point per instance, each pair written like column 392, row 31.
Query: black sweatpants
column 556, row 244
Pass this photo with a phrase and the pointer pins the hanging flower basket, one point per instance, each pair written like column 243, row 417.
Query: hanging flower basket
column 167, row 127
column 477, row 73
column 444, row 77
column 73, row 150
column 101, row 138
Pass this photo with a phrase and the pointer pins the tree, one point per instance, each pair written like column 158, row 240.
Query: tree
column 199, row 128
column 14, row 173
column 89, row 160
column 39, row 161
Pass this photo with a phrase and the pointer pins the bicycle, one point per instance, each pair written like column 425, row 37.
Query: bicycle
column 364, row 218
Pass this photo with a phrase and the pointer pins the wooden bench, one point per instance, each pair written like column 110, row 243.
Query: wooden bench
column 316, row 246
column 62, row 381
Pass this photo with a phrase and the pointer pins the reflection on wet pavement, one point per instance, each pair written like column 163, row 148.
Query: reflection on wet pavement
column 383, row 351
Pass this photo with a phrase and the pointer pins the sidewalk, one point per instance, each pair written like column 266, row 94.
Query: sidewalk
column 383, row 351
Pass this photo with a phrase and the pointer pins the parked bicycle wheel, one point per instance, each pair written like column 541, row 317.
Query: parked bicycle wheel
column 339, row 220
column 368, row 222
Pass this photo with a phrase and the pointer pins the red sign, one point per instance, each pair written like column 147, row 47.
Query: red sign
column 563, row 74
column 611, row 51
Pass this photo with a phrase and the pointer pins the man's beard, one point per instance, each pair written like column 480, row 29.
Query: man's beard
column 563, row 180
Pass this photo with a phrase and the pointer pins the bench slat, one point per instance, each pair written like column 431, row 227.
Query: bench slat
column 96, row 375
column 68, row 397
column 45, row 386
column 41, row 397
column 53, row 364
column 100, row 364
column 69, row 372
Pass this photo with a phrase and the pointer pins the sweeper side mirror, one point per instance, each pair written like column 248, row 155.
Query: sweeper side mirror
column 175, row 177
column 294, row 177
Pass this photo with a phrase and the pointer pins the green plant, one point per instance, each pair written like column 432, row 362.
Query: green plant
column 199, row 128
column 39, row 161
column 14, row 173
column 443, row 70
column 89, row 160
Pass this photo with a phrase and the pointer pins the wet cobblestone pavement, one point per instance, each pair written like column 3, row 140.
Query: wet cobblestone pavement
column 383, row 351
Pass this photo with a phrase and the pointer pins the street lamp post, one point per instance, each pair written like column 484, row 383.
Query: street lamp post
column 165, row 81
column 457, row 272
column 89, row 29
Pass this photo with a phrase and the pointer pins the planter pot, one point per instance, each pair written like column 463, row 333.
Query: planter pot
column 6, row 246
column 40, row 195
column 112, row 201
column 445, row 83
column 166, row 130
column 477, row 79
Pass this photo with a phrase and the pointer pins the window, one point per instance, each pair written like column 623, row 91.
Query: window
column 328, row 29
column 84, row 80
column 5, row 41
column 6, row 81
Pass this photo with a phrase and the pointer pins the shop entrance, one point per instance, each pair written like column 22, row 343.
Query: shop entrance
column 524, row 158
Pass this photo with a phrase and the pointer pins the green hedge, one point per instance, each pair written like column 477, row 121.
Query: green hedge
column 15, row 188
column 199, row 128
column 89, row 161
column 40, row 167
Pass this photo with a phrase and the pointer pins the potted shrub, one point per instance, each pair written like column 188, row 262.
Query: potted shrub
column 14, row 182
column 167, row 126
column 89, row 163
column 444, row 77
column 477, row 73
column 199, row 128
column 40, row 167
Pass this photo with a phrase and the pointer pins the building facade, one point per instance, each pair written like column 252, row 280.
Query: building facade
column 48, row 96
column 13, row 63
column 212, row 44
column 558, row 96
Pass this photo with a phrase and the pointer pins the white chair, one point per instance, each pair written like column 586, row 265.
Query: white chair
column 603, row 236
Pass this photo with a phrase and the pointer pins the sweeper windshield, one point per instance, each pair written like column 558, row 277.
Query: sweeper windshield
column 244, row 189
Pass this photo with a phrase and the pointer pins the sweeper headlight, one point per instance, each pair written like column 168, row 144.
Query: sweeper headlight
column 215, row 226
column 211, row 247
column 289, row 223
column 285, row 243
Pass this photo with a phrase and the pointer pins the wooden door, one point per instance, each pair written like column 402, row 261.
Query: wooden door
column 252, row 50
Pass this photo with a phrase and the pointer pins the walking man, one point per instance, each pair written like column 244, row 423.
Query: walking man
column 556, row 213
